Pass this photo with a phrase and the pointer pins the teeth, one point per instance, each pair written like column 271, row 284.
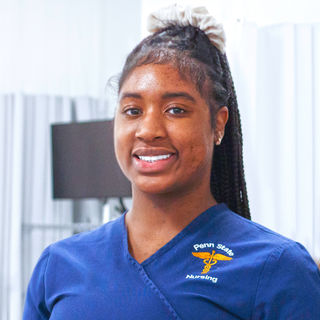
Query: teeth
column 154, row 158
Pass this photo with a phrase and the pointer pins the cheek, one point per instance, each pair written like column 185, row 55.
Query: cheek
column 198, row 150
column 122, row 143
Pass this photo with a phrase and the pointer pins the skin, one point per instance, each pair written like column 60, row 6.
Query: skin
column 161, row 113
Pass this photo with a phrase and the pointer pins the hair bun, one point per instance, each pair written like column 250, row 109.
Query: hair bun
column 183, row 16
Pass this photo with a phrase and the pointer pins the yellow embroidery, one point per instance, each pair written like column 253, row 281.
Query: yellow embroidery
column 209, row 259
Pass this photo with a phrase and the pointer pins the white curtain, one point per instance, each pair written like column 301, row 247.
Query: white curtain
column 26, row 194
column 277, row 76
column 30, row 218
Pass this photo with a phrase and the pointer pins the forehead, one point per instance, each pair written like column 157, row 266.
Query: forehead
column 158, row 77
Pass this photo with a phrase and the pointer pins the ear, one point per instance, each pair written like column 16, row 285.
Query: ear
column 221, row 119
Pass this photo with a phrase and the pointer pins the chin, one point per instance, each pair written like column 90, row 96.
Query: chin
column 153, row 186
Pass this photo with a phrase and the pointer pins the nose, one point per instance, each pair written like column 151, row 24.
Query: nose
column 151, row 127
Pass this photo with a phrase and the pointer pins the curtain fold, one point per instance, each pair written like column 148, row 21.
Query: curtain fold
column 26, row 191
column 30, row 219
column 277, row 72
column 316, row 139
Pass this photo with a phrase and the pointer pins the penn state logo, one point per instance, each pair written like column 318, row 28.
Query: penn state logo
column 210, row 259
column 210, row 254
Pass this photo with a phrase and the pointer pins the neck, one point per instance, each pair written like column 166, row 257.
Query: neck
column 165, row 212
column 156, row 219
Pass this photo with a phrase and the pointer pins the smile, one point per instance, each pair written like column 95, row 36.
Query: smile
column 154, row 158
column 153, row 161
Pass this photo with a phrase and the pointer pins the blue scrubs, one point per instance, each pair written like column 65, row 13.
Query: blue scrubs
column 221, row 266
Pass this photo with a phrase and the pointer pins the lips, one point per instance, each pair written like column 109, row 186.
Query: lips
column 152, row 160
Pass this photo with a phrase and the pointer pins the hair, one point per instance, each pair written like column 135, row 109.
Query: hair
column 188, row 49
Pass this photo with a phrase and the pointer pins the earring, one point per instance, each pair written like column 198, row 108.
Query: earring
column 218, row 142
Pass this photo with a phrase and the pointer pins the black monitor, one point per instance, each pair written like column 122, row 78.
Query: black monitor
column 84, row 163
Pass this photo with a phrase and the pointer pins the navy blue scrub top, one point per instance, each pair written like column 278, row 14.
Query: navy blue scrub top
column 221, row 266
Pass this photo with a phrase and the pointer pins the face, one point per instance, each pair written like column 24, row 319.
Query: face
column 163, row 135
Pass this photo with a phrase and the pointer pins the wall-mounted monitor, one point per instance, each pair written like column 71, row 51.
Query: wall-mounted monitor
column 84, row 163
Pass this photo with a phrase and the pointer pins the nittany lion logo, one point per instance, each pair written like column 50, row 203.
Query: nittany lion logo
column 210, row 259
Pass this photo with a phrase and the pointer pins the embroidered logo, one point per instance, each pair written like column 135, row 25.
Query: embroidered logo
column 210, row 259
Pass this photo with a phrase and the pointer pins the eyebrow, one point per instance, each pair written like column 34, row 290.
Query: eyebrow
column 166, row 95
column 181, row 94
column 130, row 95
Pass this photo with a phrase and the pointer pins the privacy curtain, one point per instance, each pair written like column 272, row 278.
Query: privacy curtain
column 25, row 194
column 277, row 76
column 30, row 219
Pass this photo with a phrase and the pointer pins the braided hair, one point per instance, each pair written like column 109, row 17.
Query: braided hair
column 189, row 50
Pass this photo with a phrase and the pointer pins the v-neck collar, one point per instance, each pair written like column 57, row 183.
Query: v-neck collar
column 193, row 225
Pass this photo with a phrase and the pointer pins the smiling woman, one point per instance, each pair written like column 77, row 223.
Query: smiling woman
column 163, row 135
column 187, row 248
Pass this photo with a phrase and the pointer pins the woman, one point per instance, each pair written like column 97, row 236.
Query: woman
column 179, row 252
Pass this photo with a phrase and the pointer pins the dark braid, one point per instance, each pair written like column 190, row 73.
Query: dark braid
column 227, row 162
column 190, row 51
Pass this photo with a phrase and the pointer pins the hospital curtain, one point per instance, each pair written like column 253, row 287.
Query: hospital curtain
column 30, row 219
column 25, row 194
column 277, row 76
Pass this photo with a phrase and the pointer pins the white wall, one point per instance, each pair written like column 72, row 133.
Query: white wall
column 262, row 12
column 64, row 47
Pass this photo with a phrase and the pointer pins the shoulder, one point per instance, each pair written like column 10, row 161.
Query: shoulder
column 289, row 285
column 62, row 264
column 288, row 280
column 274, row 246
column 242, row 229
column 107, row 231
column 87, row 245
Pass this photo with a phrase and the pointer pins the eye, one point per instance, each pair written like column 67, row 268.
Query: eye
column 132, row 111
column 176, row 110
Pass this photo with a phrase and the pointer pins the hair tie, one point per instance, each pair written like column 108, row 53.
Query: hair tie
column 183, row 16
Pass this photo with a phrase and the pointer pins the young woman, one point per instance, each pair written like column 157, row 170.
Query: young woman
column 179, row 252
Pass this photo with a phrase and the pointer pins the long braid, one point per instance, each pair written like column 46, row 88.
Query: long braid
column 227, row 162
